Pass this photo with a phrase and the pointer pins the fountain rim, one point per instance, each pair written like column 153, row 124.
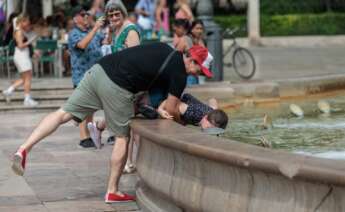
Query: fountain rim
column 191, row 141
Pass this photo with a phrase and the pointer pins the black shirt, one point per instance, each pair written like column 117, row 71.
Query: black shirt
column 196, row 110
column 135, row 68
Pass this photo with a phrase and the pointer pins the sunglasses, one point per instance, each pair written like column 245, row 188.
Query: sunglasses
column 116, row 14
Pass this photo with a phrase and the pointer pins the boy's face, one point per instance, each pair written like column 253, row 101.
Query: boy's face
column 179, row 31
column 205, row 124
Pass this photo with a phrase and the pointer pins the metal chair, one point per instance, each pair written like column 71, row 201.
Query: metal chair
column 48, row 53
column 6, row 57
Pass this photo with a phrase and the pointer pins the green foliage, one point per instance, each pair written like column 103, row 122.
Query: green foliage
column 232, row 22
column 285, row 25
column 300, row 6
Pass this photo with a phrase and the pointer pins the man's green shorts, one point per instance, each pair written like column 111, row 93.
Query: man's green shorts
column 96, row 92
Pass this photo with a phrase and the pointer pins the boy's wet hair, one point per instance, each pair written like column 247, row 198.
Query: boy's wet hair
column 218, row 118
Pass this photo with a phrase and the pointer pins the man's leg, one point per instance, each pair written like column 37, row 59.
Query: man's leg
column 47, row 126
column 117, row 162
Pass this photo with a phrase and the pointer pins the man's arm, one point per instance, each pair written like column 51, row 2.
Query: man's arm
column 83, row 43
column 172, row 107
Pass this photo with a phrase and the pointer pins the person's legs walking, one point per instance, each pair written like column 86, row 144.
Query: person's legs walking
column 9, row 91
column 28, row 101
column 27, row 81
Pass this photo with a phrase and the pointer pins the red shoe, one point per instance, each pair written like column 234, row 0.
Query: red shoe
column 111, row 197
column 19, row 160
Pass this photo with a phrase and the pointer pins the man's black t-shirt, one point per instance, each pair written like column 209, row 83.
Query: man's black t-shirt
column 135, row 68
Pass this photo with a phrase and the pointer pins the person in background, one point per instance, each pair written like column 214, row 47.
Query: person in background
column 7, row 35
column 133, row 18
column 184, row 11
column 195, row 37
column 97, row 9
column 22, row 61
column 196, row 34
column 146, row 15
column 84, row 45
column 180, row 27
column 43, row 29
column 123, row 33
column 66, row 57
column 162, row 18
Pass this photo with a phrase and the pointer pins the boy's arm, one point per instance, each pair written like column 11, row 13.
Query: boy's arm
column 213, row 103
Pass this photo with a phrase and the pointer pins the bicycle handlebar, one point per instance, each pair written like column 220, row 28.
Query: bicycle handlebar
column 230, row 32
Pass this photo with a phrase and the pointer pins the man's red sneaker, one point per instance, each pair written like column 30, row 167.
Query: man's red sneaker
column 111, row 197
column 19, row 160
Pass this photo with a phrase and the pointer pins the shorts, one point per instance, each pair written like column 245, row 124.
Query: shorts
column 96, row 92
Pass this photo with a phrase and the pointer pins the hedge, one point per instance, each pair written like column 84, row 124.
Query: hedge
column 285, row 25
column 282, row 7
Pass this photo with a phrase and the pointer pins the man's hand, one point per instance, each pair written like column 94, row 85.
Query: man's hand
column 99, row 23
column 172, row 107
column 164, row 114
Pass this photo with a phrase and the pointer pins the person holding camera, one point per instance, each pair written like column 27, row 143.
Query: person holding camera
column 84, row 45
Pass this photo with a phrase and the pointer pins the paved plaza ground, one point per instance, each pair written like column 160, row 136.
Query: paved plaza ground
column 61, row 176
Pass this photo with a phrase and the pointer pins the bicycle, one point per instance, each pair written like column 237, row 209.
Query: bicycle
column 242, row 59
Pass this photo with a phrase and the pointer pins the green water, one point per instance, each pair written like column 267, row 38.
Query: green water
column 312, row 134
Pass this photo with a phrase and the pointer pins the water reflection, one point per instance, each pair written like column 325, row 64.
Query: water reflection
column 319, row 134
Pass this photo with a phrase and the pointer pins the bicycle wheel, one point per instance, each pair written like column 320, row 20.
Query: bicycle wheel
column 244, row 63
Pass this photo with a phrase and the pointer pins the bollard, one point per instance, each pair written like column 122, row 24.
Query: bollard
column 214, row 37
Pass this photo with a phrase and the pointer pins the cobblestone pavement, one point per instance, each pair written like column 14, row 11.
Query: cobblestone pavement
column 60, row 176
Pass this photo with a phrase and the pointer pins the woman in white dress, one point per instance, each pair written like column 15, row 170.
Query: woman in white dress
column 22, row 60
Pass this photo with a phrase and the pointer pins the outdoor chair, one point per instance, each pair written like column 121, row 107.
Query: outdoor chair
column 148, row 36
column 6, row 57
column 48, row 54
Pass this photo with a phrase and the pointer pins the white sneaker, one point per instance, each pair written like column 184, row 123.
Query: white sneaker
column 29, row 102
column 7, row 94
column 95, row 134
